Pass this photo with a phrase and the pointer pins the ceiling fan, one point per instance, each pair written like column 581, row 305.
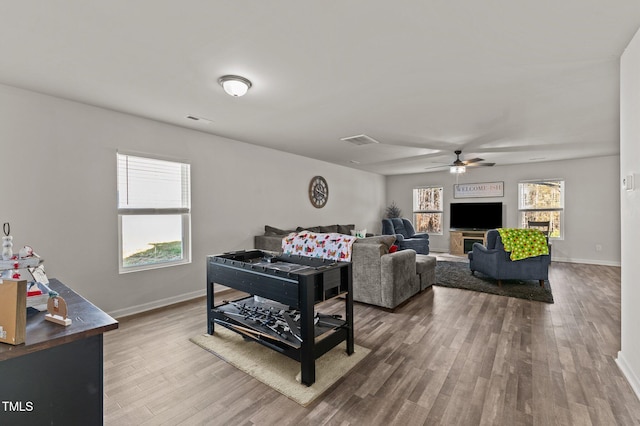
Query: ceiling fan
column 414, row 155
column 459, row 166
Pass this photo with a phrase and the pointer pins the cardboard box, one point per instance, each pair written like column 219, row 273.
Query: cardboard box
column 13, row 311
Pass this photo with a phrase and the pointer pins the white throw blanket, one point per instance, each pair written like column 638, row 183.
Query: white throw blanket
column 327, row 246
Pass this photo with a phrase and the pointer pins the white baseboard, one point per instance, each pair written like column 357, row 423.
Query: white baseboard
column 556, row 259
column 119, row 313
column 586, row 261
column 438, row 250
column 628, row 373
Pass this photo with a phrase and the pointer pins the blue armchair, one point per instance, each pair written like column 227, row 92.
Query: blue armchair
column 406, row 236
column 494, row 261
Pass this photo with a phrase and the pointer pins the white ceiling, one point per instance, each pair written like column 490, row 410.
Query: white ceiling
column 507, row 81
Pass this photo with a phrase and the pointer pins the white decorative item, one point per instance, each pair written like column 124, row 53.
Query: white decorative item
column 29, row 262
column 25, row 251
column 7, row 247
column 7, row 242
column 359, row 233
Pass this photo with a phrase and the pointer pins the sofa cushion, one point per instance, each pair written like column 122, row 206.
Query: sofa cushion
column 308, row 228
column 386, row 240
column 326, row 229
column 268, row 242
column 345, row 229
column 270, row 230
column 399, row 228
column 426, row 269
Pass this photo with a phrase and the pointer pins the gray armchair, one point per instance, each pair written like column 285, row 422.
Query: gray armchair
column 494, row 261
column 381, row 278
column 406, row 236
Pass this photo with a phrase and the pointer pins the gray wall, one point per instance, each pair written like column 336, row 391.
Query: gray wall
column 59, row 194
column 592, row 198
column 629, row 355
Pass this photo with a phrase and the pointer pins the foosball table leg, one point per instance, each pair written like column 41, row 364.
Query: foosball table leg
column 307, row 352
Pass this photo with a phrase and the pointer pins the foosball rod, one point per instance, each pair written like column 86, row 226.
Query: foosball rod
column 252, row 333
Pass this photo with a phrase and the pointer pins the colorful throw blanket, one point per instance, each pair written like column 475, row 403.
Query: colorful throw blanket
column 331, row 246
column 523, row 243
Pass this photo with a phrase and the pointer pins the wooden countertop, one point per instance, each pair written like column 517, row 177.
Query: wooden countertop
column 87, row 320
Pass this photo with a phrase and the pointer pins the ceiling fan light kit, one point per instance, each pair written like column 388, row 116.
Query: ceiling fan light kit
column 459, row 166
column 234, row 85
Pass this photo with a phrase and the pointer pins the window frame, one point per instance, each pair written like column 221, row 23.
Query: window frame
column 561, row 210
column 416, row 211
column 184, row 212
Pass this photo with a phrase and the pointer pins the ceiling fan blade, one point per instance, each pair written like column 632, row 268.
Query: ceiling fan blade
column 473, row 160
column 539, row 147
column 441, row 166
column 402, row 160
column 481, row 165
column 426, row 144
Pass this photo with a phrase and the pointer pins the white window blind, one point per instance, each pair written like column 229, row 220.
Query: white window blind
column 154, row 219
column 149, row 184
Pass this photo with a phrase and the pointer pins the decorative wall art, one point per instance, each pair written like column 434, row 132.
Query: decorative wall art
column 478, row 190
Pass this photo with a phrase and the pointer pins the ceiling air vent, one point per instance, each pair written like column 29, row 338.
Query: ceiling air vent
column 359, row 140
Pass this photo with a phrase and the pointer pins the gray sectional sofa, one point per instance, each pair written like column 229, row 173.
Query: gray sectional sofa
column 272, row 238
column 379, row 278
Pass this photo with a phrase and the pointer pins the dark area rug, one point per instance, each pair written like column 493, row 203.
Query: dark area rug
column 458, row 275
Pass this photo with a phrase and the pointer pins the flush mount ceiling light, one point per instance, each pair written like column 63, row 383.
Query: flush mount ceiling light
column 234, row 85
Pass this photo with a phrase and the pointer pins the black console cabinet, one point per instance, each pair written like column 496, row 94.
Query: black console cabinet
column 56, row 376
column 295, row 281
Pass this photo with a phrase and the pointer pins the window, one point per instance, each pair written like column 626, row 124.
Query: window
column 427, row 209
column 154, row 219
column 542, row 200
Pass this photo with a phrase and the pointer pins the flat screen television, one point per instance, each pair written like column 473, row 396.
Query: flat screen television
column 475, row 216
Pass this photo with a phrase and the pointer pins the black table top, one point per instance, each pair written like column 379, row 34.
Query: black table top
column 87, row 320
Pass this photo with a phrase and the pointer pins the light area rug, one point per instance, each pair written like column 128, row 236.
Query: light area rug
column 277, row 370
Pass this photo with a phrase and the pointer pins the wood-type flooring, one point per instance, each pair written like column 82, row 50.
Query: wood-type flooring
column 447, row 357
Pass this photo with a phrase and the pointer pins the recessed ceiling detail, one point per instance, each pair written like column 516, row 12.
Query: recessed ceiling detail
column 541, row 92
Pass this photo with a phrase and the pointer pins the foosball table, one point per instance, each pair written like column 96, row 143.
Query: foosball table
column 280, row 310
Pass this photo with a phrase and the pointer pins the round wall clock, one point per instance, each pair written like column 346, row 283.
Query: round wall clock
column 318, row 191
